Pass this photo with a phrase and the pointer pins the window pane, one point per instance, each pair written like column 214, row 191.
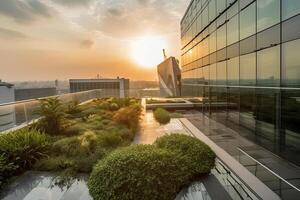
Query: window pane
column 206, row 75
column 291, row 63
column 233, row 50
column 291, row 29
column 290, row 8
column 268, row 13
column 244, row 3
column 233, row 10
column 221, row 37
column 205, row 17
column 290, row 123
column 248, row 69
column 232, row 30
column 233, row 71
column 268, row 67
column 213, row 74
column 221, row 5
column 212, row 10
column 213, row 42
column 229, row 2
column 221, row 73
column 247, row 21
column 268, row 37
column 248, row 45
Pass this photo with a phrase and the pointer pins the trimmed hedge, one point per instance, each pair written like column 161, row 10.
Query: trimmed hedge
column 201, row 157
column 162, row 116
column 151, row 172
column 138, row 172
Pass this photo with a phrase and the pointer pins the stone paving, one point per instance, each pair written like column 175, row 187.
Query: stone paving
column 40, row 186
column 150, row 129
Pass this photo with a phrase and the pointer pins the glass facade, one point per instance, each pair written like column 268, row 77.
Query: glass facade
column 245, row 56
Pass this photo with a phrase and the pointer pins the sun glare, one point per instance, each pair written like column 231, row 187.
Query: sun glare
column 147, row 51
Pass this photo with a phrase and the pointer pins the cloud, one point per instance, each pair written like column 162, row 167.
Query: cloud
column 128, row 18
column 11, row 34
column 73, row 2
column 86, row 43
column 24, row 11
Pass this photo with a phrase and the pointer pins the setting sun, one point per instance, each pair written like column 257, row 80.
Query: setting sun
column 147, row 51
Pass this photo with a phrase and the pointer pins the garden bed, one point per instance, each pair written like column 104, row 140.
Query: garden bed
column 69, row 138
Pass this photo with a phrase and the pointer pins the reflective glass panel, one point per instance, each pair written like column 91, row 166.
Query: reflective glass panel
column 291, row 63
column 213, row 74
column 233, row 30
column 213, row 42
column 212, row 10
column 221, row 37
column 248, row 21
column 290, row 8
column 221, row 5
column 268, row 67
column 248, row 69
column 233, row 71
column 221, row 73
column 268, row 13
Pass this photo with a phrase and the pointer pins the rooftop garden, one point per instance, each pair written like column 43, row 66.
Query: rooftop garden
column 69, row 138
column 95, row 138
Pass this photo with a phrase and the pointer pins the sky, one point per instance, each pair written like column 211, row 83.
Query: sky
column 62, row 39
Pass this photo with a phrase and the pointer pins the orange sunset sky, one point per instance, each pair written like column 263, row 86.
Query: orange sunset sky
column 62, row 39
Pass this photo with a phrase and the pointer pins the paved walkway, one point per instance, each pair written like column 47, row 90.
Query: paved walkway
column 150, row 129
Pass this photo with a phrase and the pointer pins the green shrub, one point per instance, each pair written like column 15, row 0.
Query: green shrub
column 114, row 107
column 24, row 147
column 128, row 116
column 73, row 108
column 138, row 172
column 83, row 145
column 162, row 116
column 53, row 115
column 7, row 170
column 109, row 140
column 201, row 159
column 55, row 164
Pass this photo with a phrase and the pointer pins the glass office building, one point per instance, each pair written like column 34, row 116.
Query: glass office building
column 243, row 58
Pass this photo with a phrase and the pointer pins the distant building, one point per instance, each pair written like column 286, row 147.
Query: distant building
column 110, row 87
column 7, row 113
column 169, row 75
column 34, row 93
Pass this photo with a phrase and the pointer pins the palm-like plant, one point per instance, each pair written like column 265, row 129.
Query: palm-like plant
column 53, row 116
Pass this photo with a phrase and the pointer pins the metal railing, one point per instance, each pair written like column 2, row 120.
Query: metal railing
column 278, row 184
column 232, row 184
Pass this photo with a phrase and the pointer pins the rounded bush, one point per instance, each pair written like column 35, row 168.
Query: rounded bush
column 201, row 159
column 162, row 116
column 139, row 172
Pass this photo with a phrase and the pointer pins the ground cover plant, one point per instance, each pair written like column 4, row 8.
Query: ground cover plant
column 151, row 172
column 69, row 138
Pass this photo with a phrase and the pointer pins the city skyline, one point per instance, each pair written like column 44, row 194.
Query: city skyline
column 62, row 39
